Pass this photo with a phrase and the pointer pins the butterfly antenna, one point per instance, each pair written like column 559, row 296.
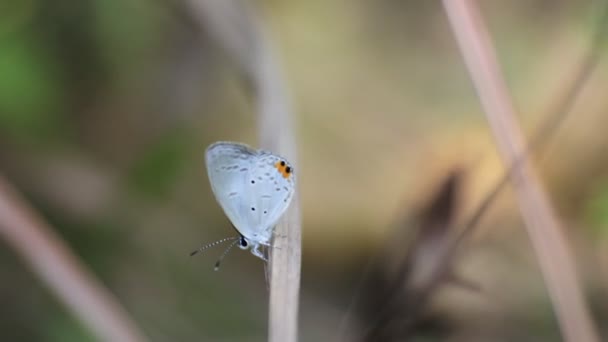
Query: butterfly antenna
column 202, row 248
column 217, row 264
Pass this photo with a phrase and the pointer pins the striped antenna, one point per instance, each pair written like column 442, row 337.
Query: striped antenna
column 217, row 264
column 200, row 249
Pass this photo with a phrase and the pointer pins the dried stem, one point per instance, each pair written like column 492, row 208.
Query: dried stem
column 558, row 110
column 51, row 260
column 277, row 134
column 556, row 113
column 543, row 227
column 244, row 37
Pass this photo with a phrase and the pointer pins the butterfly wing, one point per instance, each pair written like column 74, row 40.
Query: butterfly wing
column 253, row 187
column 228, row 165
column 272, row 184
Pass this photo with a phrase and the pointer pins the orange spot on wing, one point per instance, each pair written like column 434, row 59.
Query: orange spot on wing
column 282, row 169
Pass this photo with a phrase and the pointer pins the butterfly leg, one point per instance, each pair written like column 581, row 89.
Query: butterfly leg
column 257, row 252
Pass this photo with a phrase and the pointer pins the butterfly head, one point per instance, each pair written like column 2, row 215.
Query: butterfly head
column 243, row 243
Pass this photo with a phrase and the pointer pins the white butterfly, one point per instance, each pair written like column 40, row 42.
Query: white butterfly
column 254, row 187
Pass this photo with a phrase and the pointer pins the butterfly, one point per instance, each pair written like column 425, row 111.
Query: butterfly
column 254, row 188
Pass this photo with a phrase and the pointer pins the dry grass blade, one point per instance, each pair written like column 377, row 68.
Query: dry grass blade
column 443, row 270
column 543, row 227
column 556, row 113
column 243, row 35
column 52, row 261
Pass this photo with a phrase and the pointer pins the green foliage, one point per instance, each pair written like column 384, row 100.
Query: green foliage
column 64, row 328
column 30, row 98
column 597, row 211
column 158, row 167
column 129, row 39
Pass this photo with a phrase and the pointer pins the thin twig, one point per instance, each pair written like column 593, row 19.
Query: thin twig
column 243, row 35
column 544, row 230
column 53, row 262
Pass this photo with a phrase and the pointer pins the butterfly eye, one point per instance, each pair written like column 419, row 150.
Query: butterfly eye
column 243, row 243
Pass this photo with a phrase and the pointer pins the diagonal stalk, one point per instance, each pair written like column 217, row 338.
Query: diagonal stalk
column 543, row 227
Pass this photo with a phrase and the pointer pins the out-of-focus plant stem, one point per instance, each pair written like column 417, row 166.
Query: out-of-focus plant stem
column 544, row 229
column 67, row 277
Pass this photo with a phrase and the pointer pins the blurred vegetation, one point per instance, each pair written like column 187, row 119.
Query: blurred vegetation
column 106, row 108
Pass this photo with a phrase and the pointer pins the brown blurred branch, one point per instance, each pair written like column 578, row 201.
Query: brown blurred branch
column 235, row 25
column 543, row 227
column 392, row 304
column 53, row 262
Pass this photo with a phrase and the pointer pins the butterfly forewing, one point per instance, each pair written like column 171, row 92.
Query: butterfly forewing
column 227, row 163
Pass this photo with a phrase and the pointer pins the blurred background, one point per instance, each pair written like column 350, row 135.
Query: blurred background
column 106, row 108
